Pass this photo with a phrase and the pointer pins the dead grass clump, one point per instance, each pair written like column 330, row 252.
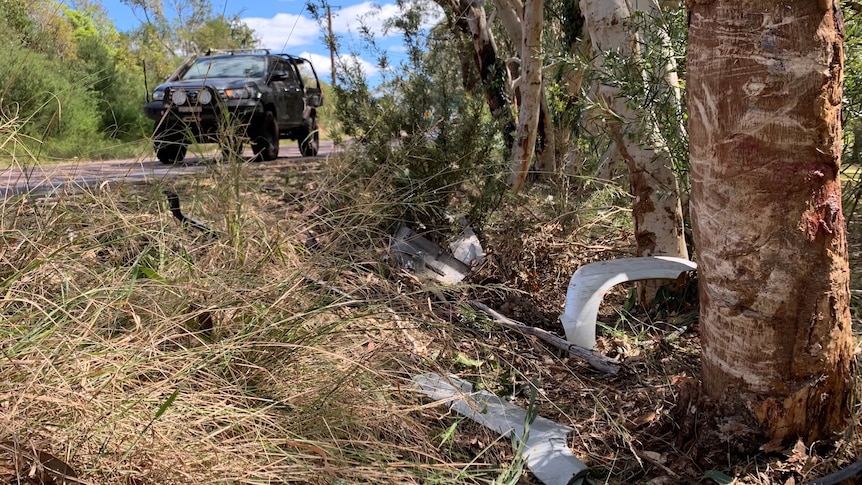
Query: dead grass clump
column 140, row 351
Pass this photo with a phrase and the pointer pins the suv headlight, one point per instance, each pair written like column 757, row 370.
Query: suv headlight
column 179, row 97
column 158, row 95
column 205, row 96
column 240, row 93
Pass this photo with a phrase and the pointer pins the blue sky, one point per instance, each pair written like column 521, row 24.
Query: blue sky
column 286, row 26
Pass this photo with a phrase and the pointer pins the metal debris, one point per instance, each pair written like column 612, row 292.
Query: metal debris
column 466, row 246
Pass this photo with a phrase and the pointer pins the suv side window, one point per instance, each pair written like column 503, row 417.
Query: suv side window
column 286, row 68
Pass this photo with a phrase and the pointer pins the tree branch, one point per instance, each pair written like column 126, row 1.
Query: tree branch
column 594, row 359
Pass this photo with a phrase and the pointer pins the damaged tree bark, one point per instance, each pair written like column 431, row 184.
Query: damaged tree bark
column 764, row 94
column 531, row 93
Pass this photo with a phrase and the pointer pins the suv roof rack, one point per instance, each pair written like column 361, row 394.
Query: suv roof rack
column 210, row 52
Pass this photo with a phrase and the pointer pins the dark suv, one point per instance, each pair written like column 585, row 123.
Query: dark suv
column 228, row 97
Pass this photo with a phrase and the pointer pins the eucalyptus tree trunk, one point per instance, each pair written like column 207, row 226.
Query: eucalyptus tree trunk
column 511, row 14
column 573, row 80
column 656, row 209
column 469, row 16
column 535, row 130
column 531, row 93
column 490, row 68
column 764, row 96
column 546, row 136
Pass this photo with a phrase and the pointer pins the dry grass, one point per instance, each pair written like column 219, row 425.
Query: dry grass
column 137, row 351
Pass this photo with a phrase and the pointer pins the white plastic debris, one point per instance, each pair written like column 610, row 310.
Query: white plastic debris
column 466, row 246
column 546, row 450
column 590, row 283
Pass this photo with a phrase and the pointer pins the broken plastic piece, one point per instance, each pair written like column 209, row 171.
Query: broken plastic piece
column 545, row 449
column 466, row 246
column 590, row 283
column 424, row 258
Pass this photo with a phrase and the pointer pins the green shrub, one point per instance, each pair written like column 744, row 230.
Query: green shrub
column 438, row 142
column 56, row 105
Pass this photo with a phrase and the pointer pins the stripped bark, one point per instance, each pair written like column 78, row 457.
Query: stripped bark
column 656, row 209
column 764, row 94
column 531, row 94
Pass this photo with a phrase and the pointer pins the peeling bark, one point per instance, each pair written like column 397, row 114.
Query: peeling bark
column 531, row 94
column 657, row 210
column 764, row 97
column 469, row 17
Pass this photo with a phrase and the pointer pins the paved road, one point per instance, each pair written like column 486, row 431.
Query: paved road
column 50, row 178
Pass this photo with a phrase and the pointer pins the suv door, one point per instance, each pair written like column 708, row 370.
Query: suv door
column 294, row 97
column 278, row 88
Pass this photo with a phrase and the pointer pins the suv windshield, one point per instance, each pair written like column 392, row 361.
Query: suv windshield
column 229, row 66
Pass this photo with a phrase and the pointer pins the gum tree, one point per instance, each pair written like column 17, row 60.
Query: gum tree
column 531, row 92
column 764, row 97
column 656, row 206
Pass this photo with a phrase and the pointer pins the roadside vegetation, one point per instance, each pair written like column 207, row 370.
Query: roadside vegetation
column 281, row 348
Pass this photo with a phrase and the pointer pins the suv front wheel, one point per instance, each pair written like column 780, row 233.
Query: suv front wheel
column 264, row 142
column 309, row 138
column 170, row 147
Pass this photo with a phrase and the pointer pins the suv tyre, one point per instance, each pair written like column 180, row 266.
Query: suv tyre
column 169, row 147
column 309, row 138
column 265, row 143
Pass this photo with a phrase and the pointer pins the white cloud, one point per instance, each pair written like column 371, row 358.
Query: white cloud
column 374, row 16
column 284, row 31
column 289, row 30
column 323, row 65
column 370, row 14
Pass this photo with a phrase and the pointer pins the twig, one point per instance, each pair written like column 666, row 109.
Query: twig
column 351, row 300
column 595, row 359
column 174, row 206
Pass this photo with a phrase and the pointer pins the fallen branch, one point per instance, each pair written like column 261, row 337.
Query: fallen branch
column 595, row 359
column 840, row 476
